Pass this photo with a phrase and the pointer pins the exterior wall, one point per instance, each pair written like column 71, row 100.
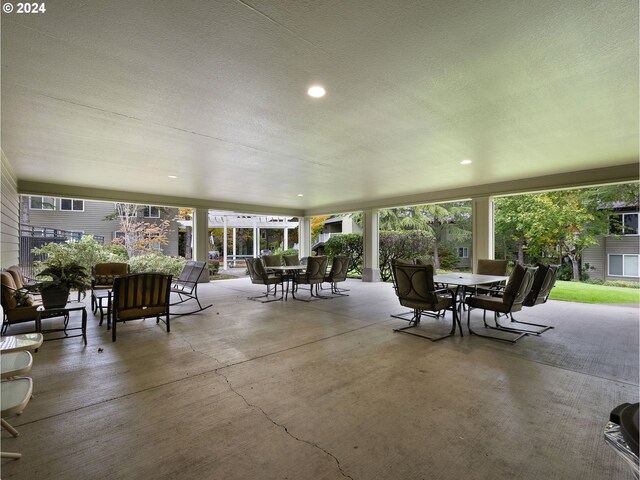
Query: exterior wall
column 9, row 218
column 598, row 256
column 90, row 222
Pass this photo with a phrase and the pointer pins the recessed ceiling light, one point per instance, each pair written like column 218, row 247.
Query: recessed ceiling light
column 301, row 194
column 172, row 176
column 316, row 91
column 466, row 162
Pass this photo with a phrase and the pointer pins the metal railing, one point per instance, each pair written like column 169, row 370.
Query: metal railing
column 36, row 237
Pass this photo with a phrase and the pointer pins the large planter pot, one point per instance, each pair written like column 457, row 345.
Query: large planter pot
column 54, row 296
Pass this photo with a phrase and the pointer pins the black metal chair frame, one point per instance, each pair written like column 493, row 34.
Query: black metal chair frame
column 405, row 315
column 313, row 276
column 186, row 286
column 543, row 282
column 259, row 276
column 142, row 284
column 425, row 296
column 339, row 269
column 521, row 292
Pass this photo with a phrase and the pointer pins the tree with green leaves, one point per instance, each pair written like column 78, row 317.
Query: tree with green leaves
column 567, row 221
column 439, row 221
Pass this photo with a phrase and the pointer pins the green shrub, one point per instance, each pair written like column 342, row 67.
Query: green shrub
column 214, row 267
column 349, row 244
column 85, row 252
column 158, row 263
column 613, row 283
column 117, row 249
column 397, row 244
column 448, row 258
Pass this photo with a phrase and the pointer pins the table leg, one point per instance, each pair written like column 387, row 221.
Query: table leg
column 84, row 325
column 109, row 309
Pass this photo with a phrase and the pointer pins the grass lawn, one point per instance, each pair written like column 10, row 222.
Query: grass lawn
column 587, row 293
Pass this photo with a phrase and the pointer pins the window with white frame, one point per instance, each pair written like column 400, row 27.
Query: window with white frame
column 71, row 205
column 623, row 265
column 42, row 203
column 118, row 234
column 75, row 235
column 149, row 211
column 463, row 252
column 623, row 223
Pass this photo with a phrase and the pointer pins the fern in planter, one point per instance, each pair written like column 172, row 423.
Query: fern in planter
column 61, row 280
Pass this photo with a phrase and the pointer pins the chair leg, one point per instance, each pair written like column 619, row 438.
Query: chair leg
column 498, row 327
column 10, row 455
column 267, row 294
column 338, row 291
column 415, row 321
column 9, row 428
column 543, row 328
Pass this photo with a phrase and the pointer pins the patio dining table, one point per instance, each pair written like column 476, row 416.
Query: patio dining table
column 465, row 281
column 287, row 272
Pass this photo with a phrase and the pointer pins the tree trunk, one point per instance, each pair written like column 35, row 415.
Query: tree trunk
column 575, row 264
column 187, row 244
column 436, row 257
column 520, row 260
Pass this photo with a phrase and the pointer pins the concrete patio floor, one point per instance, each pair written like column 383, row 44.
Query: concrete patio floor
column 326, row 390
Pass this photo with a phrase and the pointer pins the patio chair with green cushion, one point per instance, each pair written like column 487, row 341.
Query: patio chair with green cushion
column 488, row 267
column 415, row 290
column 507, row 301
column 102, row 277
column 543, row 282
column 338, row 273
column 141, row 295
column 259, row 276
column 271, row 261
column 291, row 260
column 492, row 267
column 314, row 276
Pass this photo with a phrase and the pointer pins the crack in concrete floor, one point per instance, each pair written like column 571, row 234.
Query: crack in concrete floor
column 283, row 427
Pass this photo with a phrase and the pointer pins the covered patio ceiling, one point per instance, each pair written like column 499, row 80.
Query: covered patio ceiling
column 106, row 100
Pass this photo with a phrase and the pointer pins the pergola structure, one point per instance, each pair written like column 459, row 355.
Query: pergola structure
column 233, row 221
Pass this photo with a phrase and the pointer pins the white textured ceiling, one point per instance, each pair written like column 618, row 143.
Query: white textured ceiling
column 120, row 94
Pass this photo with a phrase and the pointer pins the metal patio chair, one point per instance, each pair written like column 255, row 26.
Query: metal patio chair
column 186, row 286
column 416, row 290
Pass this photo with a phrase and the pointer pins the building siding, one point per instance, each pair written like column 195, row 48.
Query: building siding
column 9, row 218
column 598, row 255
column 91, row 222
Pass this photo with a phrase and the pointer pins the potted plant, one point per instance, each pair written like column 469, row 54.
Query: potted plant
column 63, row 278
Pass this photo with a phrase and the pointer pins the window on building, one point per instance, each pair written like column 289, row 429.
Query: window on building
column 71, row 205
column 150, row 211
column 623, row 265
column 623, row 224
column 463, row 252
column 42, row 203
column 75, row 235
column 118, row 234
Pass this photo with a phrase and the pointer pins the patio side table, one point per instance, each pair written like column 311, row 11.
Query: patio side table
column 42, row 312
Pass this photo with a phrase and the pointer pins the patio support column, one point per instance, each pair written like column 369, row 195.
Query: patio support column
column 304, row 236
column 370, row 238
column 224, row 243
column 286, row 239
column 233, row 254
column 483, row 240
column 255, row 239
column 201, row 234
